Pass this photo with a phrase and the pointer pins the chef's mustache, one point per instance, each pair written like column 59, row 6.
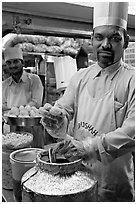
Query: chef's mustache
column 105, row 49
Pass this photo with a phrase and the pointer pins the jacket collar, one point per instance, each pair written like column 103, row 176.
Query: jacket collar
column 110, row 70
column 23, row 78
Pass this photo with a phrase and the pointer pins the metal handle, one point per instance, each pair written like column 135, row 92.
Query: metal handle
column 52, row 157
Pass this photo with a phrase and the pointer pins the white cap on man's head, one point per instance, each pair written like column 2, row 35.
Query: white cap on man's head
column 13, row 53
column 110, row 13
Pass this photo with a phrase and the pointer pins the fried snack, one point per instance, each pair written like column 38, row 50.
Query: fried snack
column 68, row 43
column 24, row 112
column 55, row 111
column 34, row 113
column 54, row 49
column 28, row 107
column 47, row 106
column 52, row 118
column 21, row 107
column 70, row 51
column 54, row 41
column 14, row 111
column 40, row 48
column 42, row 111
column 49, row 119
column 26, row 47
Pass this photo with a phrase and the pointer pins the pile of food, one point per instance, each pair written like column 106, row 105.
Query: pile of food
column 51, row 111
column 33, row 112
column 48, row 184
column 31, row 116
column 16, row 140
column 23, row 112
column 49, row 44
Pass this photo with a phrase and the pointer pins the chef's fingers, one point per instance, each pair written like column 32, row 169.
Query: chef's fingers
column 48, row 123
column 52, row 122
column 72, row 156
column 62, row 147
column 58, row 146
column 46, row 119
column 68, row 147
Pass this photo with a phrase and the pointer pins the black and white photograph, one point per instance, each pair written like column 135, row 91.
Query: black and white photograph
column 68, row 101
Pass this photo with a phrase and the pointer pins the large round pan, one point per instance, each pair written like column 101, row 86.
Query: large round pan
column 23, row 122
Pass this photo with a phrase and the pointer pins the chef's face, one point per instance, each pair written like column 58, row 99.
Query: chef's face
column 15, row 66
column 108, row 44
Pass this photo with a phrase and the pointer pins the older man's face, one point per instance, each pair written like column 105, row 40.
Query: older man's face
column 108, row 44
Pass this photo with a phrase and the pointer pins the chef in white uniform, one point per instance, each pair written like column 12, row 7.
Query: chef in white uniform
column 21, row 88
column 101, row 100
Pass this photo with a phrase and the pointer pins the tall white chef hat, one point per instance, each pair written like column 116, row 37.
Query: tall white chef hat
column 13, row 53
column 110, row 13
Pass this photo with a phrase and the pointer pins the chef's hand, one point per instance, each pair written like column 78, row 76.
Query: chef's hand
column 73, row 149
column 54, row 121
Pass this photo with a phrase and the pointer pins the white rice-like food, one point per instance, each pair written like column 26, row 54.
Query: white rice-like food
column 48, row 184
column 14, row 140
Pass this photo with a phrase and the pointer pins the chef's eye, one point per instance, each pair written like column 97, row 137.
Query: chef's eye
column 98, row 37
column 116, row 38
column 16, row 61
column 8, row 63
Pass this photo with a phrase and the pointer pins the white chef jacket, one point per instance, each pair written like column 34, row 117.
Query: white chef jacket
column 28, row 90
column 102, row 105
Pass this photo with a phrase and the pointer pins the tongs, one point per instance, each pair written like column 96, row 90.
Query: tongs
column 52, row 156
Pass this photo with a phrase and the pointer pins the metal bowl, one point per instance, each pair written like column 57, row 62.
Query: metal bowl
column 63, row 167
column 23, row 122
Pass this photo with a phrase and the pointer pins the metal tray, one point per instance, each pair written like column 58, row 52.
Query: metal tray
column 23, row 122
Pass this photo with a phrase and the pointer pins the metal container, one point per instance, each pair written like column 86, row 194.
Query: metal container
column 62, row 181
column 21, row 161
column 23, row 122
column 62, row 167
column 7, row 149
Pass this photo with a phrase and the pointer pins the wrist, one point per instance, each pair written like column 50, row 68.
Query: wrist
column 91, row 148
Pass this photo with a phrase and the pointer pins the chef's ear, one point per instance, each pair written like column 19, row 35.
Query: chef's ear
column 126, row 41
